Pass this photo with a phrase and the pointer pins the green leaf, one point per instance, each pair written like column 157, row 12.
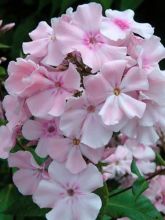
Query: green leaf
column 4, row 46
column 125, row 205
column 6, row 217
column 2, row 71
column 140, row 184
column 130, row 4
column 13, row 203
column 135, row 169
column 160, row 160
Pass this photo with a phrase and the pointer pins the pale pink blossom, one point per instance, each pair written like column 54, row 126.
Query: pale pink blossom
column 119, row 90
column 144, row 156
column 29, row 173
column 71, row 151
column 70, row 192
column 44, row 131
column 156, row 192
column 81, row 116
column 25, row 78
column 16, row 110
column 146, row 135
column 63, row 85
column 148, row 52
column 44, row 45
column 7, row 141
column 83, row 35
column 119, row 24
column 118, row 163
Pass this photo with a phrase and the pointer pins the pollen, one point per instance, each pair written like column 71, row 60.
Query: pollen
column 76, row 141
column 116, row 91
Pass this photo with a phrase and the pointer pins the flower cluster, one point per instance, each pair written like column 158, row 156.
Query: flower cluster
column 88, row 94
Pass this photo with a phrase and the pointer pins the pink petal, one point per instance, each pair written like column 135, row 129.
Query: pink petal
column 58, row 211
column 94, row 155
column 42, row 30
column 88, row 16
column 58, row 172
column 59, row 149
column 32, row 130
column 131, row 107
column 87, row 207
column 23, row 160
column 110, row 112
column 41, row 103
column 75, row 162
column 113, row 72
column 90, row 184
column 26, row 181
column 47, row 194
column 134, row 80
column 93, row 128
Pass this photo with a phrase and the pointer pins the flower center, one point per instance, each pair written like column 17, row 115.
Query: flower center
column 76, row 141
column 91, row 108
column 91, row 40
column 70, row 192
column 116, row 91
column 51, row 129
column 58, row 84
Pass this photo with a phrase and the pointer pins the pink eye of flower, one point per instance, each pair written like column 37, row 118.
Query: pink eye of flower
column 121, row 24
column 51, row 129
column 93, row 39
column 91, row 108
column 70, row 192
column 76, row 141
column 58, row 84
column 117, row 91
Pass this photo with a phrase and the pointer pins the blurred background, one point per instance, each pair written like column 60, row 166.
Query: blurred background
column 27, row 13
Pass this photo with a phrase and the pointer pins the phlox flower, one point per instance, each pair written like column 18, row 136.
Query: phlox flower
column 118, row 163
column 52, row 100
column 119, row 24
column 71, row 151
column 156, row 192
column 83, row 34
column 70, row 195
column 25, row 78
column 81, row 115
column 44, row 45
column 45, row 131
column 120, row 92
column 29, row 173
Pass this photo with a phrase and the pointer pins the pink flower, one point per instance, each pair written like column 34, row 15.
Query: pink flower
column 52, row 100
column 25, row 78
column 71, row 150
column 119, row 89
column 156, row 192
column 146, row 135
column 44, row 45
column 45, row 131
column 72, row 191
column 144, row 156
column 29, row 174
column 81, row 116
column 118, row 163
column 119, row 24
column 83, row 35
column 149, row 52
column 16, row 110
column 7, row 141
